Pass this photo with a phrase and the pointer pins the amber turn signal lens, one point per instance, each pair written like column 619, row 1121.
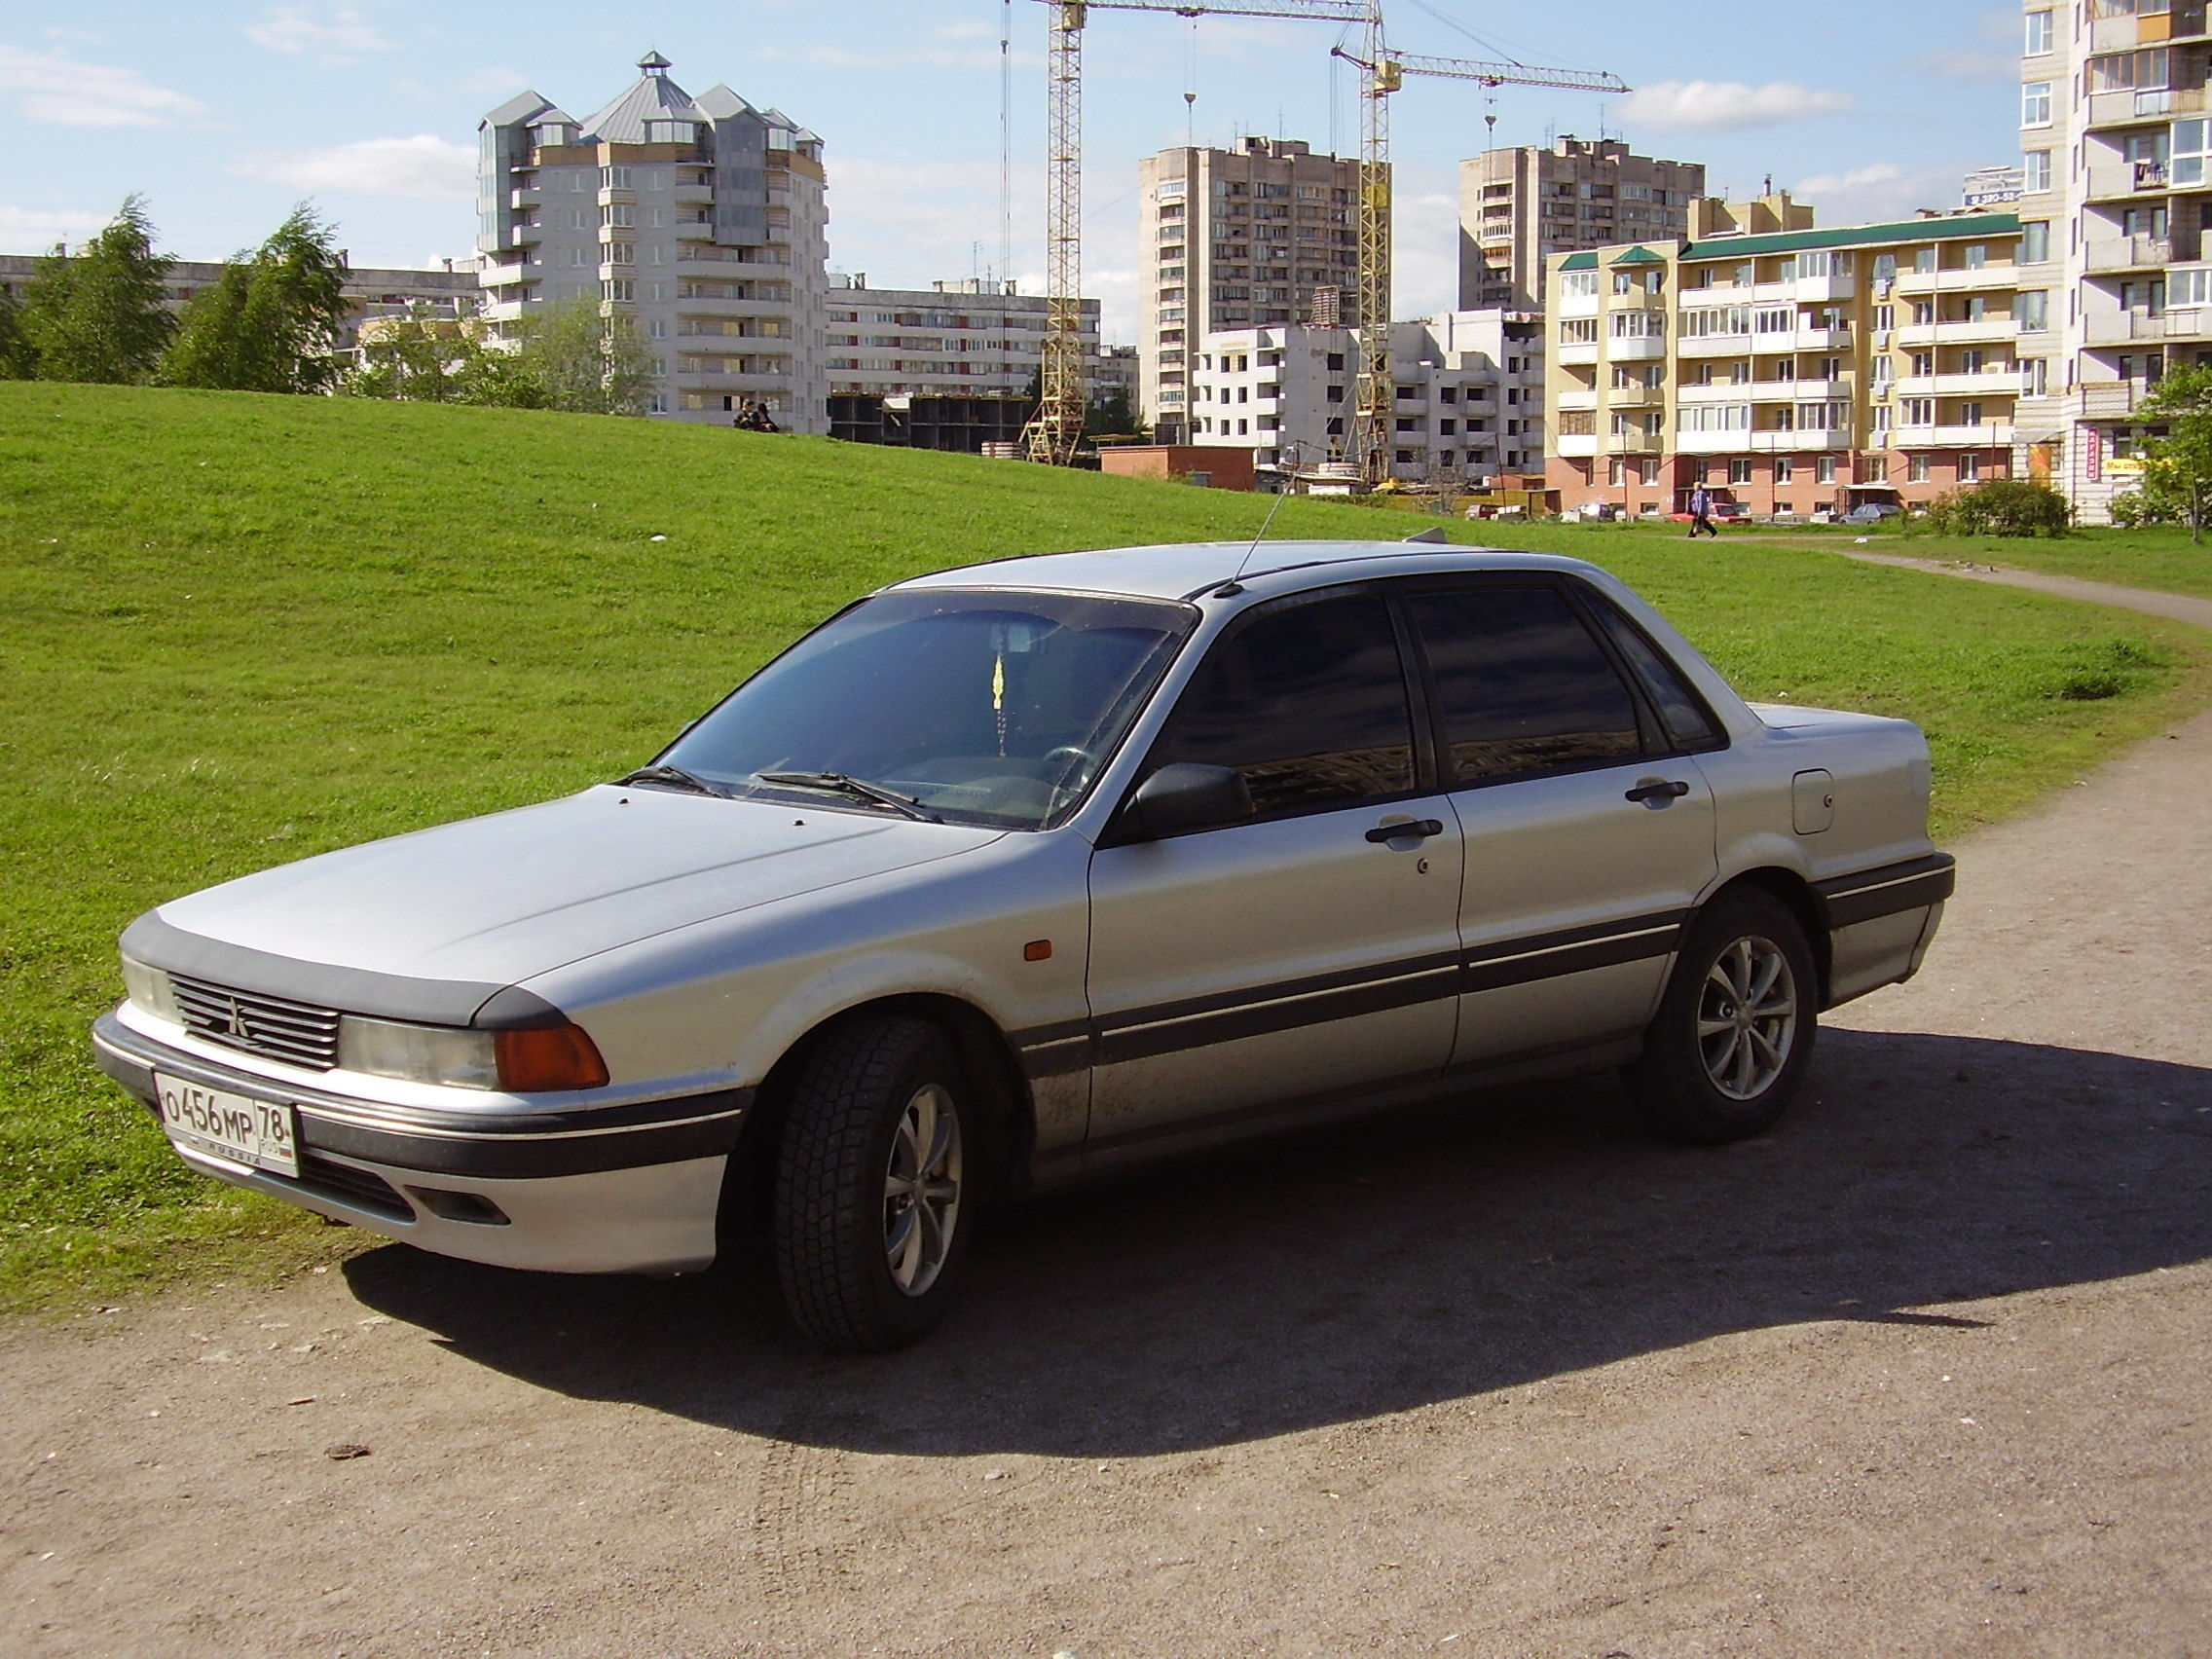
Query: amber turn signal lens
column 556, row 1056
column 1037, row 951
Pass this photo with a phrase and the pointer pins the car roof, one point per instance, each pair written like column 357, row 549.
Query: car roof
column 1187, row 569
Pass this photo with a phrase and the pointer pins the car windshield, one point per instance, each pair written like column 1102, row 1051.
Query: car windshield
column 984, row 707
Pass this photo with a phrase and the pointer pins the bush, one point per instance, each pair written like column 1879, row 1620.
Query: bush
column 2004, row 507
column 2139, row 509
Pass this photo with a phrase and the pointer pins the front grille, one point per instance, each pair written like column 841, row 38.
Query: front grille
column 275, row 1027
column 349, row 1185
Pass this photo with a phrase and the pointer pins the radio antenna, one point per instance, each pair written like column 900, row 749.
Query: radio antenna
column 1233, row 587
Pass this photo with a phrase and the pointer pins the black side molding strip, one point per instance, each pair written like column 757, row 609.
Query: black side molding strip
column 1913, row 884
column 351, row 990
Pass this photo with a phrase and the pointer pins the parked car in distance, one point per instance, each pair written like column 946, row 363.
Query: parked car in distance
column 1870, row 512
column 1012, row 875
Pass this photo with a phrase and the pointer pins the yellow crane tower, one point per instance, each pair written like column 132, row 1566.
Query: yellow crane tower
column 1053, row 436
column 1387, row 72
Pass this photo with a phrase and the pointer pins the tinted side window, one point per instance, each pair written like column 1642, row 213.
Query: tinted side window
column 1522, row 684
column 1680, row 710
column 1308, row 703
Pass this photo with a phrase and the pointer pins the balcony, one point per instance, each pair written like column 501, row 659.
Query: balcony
column 1584, row 353
column 2130, row 253
column 1634, row 349
column 2117, row 181
column 694, row 194
column 1576, row 305
column 1990, row 434
column 1975, row 331
column 1634, row 443
column 1802, row 439
column 1718, row 346
column 2124, row 328
column 1575, row 444
column 2128, row 108
column 2000, row 380
column 1964, row 280
column 524, row 196
column 1716, row 391
column 1581, row 398
column 2111, row 400
column 1635, row 397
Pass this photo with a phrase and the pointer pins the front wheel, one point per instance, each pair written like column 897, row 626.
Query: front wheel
column 1728, row 1047
column 871, row 1202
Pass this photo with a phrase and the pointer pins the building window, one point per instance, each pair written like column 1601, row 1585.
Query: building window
column 1919, row 412
column 2035, row 241
column 1784, row 471
column 1823, row 470
column 2034, row 171
column 1740, row 469
column 1969, row 469
column 1916, row 469
column 2037, row 38
column 2035, row 104
column 2192, row 145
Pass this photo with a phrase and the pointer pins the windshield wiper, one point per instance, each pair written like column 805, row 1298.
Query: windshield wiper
column 836, row 783
column 673, row 778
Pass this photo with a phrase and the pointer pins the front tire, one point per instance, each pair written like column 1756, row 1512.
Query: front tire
column 1727, row 1050
column 871, row 1202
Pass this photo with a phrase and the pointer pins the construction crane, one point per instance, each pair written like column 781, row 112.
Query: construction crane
column 1052, row 435
column 1387, row 72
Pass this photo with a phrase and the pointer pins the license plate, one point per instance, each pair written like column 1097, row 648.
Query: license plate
column 260, row 1133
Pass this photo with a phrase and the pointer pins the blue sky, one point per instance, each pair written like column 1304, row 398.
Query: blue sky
column 225, row 114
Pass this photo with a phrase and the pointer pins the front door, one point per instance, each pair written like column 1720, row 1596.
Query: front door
column 1307, row 951
column 1589, row 828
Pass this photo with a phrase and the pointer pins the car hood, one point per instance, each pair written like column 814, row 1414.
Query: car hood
column 502, row 898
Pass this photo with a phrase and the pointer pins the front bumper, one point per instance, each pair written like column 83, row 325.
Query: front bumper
column 633, row 1188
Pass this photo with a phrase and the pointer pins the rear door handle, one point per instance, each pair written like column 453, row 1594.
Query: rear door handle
column 1662, row 790
column 1421, row 829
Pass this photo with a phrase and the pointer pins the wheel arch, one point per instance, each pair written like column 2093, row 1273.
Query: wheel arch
column 1009, row 1115
column 1796, row 894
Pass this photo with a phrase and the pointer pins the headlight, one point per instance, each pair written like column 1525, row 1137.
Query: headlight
column 150, row 992
column 524, row 1062
column 419, row 1053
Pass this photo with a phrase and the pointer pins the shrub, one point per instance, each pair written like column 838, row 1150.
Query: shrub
column 2140, row 509
column 2004, row 507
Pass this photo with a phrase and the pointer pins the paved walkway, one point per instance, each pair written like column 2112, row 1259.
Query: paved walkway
column 2181, row 607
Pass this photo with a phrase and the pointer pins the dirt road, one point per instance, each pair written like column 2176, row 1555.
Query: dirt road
column 1923, row 1373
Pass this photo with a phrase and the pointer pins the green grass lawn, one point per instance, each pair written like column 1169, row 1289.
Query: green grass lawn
column 237, row 630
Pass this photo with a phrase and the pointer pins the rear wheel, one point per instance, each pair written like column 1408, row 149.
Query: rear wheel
column 870, row 1201
column 1728, row 1047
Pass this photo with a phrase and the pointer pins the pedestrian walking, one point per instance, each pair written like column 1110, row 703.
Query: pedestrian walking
column 1701, row 513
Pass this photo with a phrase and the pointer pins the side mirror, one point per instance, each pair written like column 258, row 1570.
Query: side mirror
column 1186, row 797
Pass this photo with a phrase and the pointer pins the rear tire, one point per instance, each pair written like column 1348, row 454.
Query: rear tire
column 1727, row 1050
column 872, row 1207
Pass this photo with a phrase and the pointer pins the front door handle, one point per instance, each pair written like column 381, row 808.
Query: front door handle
column 1421, row 830
column 1664, row 789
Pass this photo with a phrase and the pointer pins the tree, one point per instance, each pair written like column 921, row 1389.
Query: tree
column 584, row 363
column 18, row 360
column 423, row 357
column 2177, row 464
column 274, row 321
column 99, row 316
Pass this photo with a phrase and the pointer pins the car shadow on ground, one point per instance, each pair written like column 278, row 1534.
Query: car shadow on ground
column 1423, row 1257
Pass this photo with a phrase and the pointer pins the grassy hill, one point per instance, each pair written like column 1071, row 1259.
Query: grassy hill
column 237, row 630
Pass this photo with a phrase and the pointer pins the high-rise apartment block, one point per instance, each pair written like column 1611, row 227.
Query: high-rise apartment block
column 2116, row 134
column 1520, row 206
column 1468, row 394
column 959, row 339
column 700, row 220
column 1264, row 234
column 1792, row 373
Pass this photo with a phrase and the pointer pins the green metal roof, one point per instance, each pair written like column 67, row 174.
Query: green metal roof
column 1579, row 262
column 1641, row 255
column 1948, row 228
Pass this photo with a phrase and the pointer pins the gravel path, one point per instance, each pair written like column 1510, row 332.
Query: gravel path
column 1921, row 1373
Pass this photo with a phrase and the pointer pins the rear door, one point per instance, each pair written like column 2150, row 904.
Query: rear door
column 1308, row 950
column 1589, row 831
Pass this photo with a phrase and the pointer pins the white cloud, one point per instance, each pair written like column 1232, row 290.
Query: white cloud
column 332, row 33
column 1965, row 63
column 63, row 91
column 35, row 231
column 423, row 166
column 1881, row 191
column 1726, row 106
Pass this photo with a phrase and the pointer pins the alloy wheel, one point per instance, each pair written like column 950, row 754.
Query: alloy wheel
column 1747, row 1017
column 921, row 1190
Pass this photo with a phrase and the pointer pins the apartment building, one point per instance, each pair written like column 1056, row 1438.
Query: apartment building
column 700, row 220
column 2116, row 137
column 1519, row 206
column 1262, row 236
column 1468, row 397
column 958, row 339
column 1792, row 372
column 449, row 292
